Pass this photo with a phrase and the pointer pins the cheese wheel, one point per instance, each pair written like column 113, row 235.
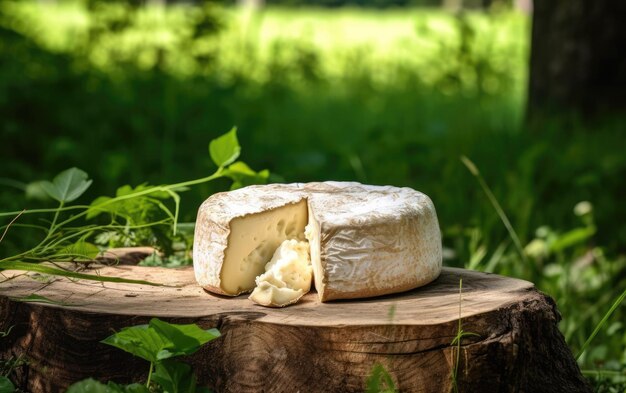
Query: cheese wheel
column 364, row 240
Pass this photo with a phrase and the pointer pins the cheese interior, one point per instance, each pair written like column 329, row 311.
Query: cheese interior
column 287, row 276
column 254, row 239
column 312, row 233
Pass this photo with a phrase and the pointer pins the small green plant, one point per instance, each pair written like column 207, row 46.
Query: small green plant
column 158, row 343
column 141, row 215
column 457, row 341
column 6, row 386
column 8, row 365
column 380, row 381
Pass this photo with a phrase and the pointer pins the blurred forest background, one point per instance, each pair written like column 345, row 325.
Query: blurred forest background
column 377, row 91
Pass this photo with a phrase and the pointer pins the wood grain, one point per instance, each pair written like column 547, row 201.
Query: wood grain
column 309, row 347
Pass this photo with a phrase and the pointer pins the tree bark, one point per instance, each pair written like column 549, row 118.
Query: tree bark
column 578, row 58
column 308, row 347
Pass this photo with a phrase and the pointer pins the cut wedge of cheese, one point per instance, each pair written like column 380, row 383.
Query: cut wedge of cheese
column 237, row 233
column 287, row 276
column 364, row 240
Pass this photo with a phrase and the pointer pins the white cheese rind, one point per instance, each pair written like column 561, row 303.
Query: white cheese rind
column 365, row 240
column 374, row 240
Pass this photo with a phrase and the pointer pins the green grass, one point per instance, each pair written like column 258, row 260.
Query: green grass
column 392, row 96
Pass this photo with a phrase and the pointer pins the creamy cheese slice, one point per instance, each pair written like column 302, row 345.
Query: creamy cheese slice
column 287, row 276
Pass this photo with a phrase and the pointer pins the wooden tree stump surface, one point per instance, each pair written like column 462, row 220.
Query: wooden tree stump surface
column 308, row 347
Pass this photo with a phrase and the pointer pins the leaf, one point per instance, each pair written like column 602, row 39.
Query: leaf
column 6, row 386
column 35, row 191
column 67, row 185
column 175, row 377
column 135, row 388
column 95, row 209
column 225, row 149
column 186, row 339
column 380, row 381
column 572, row 238
column 81, row 251
column 142, row 341
column 160, row 340
column 39, row 268
column 90, row 386
column 242, row 175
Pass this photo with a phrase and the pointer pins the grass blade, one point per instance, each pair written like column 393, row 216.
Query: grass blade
column 601, row 324
column 35, row 267
column 494, row 202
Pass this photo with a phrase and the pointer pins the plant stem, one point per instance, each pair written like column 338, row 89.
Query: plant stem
column 51, row 210
column 459, row 335
column 6, row 229
column 53, row 224
column 149, row 375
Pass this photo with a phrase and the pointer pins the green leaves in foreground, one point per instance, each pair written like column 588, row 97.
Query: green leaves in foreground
column 380, row 381
column 161, row 340
column 92, row 386
column 68, row 185
column 144, row 215
column 6, row 386
column 225, row 149
column 157, row 343
column 175, row 377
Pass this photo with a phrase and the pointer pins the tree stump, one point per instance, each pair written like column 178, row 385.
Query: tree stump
column 308, row 347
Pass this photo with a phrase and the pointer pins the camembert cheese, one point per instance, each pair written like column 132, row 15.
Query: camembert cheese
column 363, row 240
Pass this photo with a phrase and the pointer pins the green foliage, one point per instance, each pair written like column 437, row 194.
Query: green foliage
column 92, row 386
column 5, row 385
column 158, row 342
column 564, row 263
column 379, row 381
column 175, row 377
column 8, row 367
column 604, row 381
column 225, row 149
column 243, row 176
column 460, row 334
column 142, row 341
column 138, row 215
column 68, row 185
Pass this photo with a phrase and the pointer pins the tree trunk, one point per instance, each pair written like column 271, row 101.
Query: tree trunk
column 308, row 347
column 578, row 58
